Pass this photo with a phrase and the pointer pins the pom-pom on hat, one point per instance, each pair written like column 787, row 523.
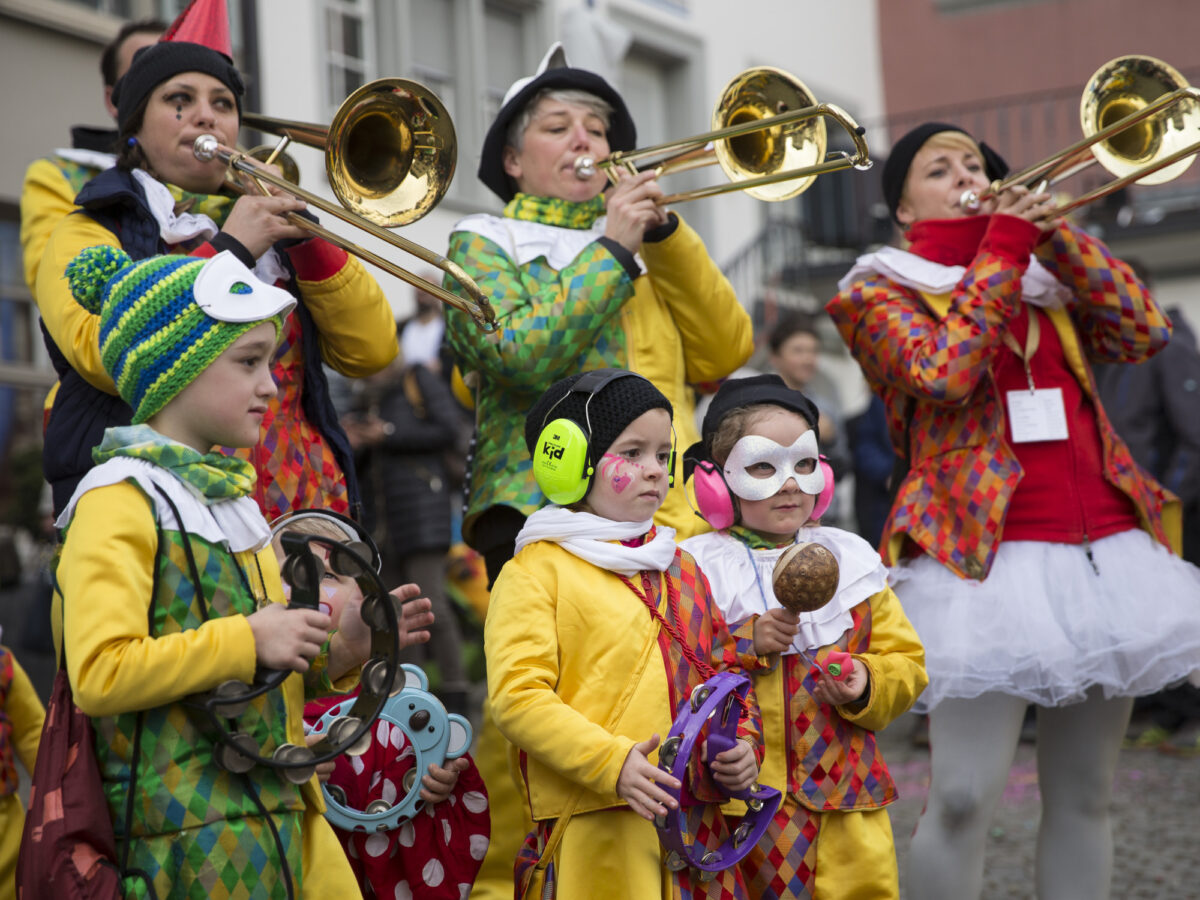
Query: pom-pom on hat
column 554, row 72
column 895, row 169
column 736, row 393
column 163, row 320
column 608, row 413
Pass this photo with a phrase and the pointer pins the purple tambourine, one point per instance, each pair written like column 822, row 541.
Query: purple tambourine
column 715, row 701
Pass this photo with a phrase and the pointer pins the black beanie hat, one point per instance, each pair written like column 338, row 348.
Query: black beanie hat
column 895, row 169
column 609, row 411
column 738, row 392
column 155, row 64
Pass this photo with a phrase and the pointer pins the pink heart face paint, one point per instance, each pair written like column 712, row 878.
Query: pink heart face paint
column 616, row 470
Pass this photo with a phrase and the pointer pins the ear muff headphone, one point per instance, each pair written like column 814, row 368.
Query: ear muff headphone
column 358, row 538
column 719, row 506
column 562, row 457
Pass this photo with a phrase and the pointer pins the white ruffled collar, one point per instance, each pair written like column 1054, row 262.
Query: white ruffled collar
column 592, row 538
column 525, row 241
column 1038, row 285
column 176, row 228
column 741, row 580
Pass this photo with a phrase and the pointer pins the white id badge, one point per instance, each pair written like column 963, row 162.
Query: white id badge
column 1037, row 415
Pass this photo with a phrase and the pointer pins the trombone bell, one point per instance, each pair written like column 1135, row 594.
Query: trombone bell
column 1127, row 85
column 758, row 94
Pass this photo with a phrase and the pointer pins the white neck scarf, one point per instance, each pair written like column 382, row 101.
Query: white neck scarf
column 590, row 538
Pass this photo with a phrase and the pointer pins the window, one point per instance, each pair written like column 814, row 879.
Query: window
column 348, row 56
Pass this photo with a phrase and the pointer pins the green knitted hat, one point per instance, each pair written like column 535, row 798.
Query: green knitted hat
column 164, row 320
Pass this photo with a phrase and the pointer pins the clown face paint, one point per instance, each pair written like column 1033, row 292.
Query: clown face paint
column 758, row 467
column 618, row 471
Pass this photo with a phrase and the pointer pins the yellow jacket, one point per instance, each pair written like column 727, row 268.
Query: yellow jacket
column 105, row 574
column 568, row 643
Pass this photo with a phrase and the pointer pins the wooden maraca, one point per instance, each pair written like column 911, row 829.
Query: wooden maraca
column 805, row 577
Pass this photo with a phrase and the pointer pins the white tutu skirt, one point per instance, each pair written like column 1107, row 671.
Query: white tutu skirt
column 1044, row 626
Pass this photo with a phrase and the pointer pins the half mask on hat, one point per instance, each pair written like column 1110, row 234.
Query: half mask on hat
column 718, row 487
column 899, row 161
column 164, row 320
column 553, row 72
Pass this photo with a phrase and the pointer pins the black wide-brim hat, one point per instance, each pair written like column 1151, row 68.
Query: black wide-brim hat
column 622, row 135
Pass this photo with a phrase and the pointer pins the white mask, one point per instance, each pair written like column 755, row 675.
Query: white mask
column 754, row 448
column 229, row 292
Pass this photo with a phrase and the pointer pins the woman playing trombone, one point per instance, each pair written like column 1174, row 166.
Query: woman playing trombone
column 580, row 279
column 160, row 198
column 1031, row 553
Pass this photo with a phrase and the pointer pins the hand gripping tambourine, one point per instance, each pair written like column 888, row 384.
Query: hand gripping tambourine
column 715, row 702
column 435, row 736
column 237, row 751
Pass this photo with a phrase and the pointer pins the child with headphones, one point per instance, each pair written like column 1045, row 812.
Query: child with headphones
column 598, row 631
column 758, row 478
column 436, row 853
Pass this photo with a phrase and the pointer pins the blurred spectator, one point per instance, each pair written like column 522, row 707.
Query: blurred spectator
column 1155, row 407
column 421, row 335
column 874, row 460
column 794, row 352
column 405, row 424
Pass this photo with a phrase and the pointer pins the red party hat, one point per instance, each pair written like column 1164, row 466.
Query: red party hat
column 203, row 22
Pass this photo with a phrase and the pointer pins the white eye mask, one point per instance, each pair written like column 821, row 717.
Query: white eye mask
column 754, row 448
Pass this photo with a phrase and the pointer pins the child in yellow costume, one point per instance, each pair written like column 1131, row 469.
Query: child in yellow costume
column 170, row 588
column 597, row 632
column 21, row 719
column 757, row 478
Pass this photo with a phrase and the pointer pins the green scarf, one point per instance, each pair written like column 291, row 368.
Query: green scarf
column 216, row 206
column 214, row 476
column 553, row 211
column 754, row 540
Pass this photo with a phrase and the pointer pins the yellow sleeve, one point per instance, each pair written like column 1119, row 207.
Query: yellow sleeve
column 46, row 199
column 24, row 709
column 75, row 330
column 106, row 577
column 715, row 329
column 355, row 323
column 896, row 662
column 522, row 649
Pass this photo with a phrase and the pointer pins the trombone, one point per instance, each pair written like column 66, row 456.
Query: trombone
column 390, row 155
column 1127, row 130
column 768, row 137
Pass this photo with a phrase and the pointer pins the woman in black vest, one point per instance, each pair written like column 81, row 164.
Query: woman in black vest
column 159, row 198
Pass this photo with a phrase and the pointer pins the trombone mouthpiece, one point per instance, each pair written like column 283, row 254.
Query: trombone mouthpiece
column 205, row 147
column 969, row 201
column 585, row 168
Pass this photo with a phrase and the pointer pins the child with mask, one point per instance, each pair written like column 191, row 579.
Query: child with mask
column 757, row 477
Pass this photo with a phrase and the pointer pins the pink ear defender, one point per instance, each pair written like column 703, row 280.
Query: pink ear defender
column 718, row 506
column 826, row 496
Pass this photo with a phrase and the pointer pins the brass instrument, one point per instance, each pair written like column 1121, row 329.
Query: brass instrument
column 1129, row 127
column 390, row 155
column 768, row 137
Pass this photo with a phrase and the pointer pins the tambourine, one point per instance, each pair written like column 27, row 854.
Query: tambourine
column 714, row 702
column 237, row 751
column 435, row 736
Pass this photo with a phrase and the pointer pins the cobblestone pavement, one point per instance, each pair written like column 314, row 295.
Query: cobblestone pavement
column 1157, row 812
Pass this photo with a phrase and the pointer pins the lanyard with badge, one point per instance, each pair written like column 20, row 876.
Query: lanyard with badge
column 1036, row 414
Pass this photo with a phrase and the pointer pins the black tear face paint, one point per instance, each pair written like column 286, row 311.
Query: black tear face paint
column 179, row 112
